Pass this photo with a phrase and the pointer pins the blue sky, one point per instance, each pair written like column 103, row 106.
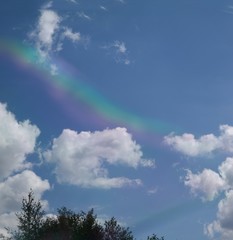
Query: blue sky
column 120, row 105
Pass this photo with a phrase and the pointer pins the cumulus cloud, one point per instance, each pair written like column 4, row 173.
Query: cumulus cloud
column 224, row 223
column 188, row 145
column 82, row 158
column 208, row 184
column 226, row 171
column 6, row 220
column 17, row 140
column 13, row 189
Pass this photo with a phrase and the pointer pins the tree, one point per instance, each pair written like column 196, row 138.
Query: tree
column 154, row 237
column 113, row 231
column 30, row 219
column 74, row 226
column 89, row 228
column 66, row 225
column 60, row 227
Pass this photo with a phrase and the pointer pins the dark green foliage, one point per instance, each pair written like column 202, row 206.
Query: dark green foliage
column 70, row 225
column 61, row 227
column 154, row 237
column 66, row 225
column 113, row 231
column 30, row 219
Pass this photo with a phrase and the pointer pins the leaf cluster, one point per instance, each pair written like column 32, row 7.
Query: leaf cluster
column 33, row 224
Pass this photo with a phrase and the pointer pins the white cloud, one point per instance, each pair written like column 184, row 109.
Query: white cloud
column 49, row 35
column 188, row 145
column 226, row 171
column 82, row 158
column 47, row 5
column 119, row 51
column 17, row 140
column 84, row 16
column 208, row 184
column 103, row 8
column 120, row 46
column 73, row 1
column 121, row 1
column 224, row 223
column 226, row 138
column 7, row 220
column 44, row 34
column 13, row 189
column 53, row 69
column 152, row 191
column 73, row 36
column 225, row 211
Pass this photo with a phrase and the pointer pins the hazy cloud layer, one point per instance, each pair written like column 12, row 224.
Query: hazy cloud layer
column 82, row 158
column 17, row 140
column 188, row 145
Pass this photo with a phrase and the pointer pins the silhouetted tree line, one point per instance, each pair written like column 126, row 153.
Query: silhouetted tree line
column 33, row 224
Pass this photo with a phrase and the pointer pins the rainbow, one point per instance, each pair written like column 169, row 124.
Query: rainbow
column 68, row 80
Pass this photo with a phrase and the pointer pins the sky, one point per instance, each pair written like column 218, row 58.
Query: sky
column 124, row 106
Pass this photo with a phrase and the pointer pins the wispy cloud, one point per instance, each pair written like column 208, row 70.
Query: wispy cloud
column 152, row 191
column 103, row 8
column 119, row 52
column 84, row 16
column 73, row 36
column 46, row 29
column 72, row 1
column 229, row 9
column 50, row 33
column 47, row 5
column 121, row 1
